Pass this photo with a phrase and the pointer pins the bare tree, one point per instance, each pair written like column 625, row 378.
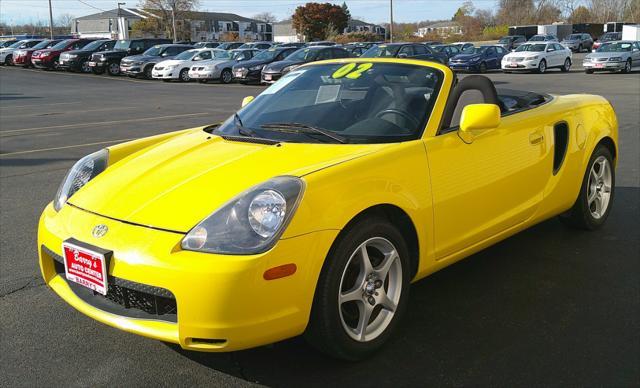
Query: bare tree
column 266, row 17
column 171, row 12
column 64, row 20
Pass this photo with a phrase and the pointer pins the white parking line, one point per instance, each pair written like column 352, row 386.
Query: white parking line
column 67, row 112
column 38, row 105
column 65, row 147
column 96, row 123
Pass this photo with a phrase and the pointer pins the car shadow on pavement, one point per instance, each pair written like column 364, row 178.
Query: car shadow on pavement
column 546, row 306
column 30, row 162
column 15, row 96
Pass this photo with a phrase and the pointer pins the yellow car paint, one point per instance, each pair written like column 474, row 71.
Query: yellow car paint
column 458, row 197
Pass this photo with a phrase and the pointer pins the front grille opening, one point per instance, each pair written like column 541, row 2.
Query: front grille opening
column 208, row 342
column 560, row 143
column 124, row 297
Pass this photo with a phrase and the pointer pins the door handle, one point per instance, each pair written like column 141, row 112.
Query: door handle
column 536, row 138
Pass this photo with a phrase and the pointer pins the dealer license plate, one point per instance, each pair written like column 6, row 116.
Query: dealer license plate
column 267, row 77
column 513, row 64
column 85, row 267
column 238, row 74
column 92, row 64
column 600, row 65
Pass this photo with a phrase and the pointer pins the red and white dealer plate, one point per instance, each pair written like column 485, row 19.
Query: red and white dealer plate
column 85, row 267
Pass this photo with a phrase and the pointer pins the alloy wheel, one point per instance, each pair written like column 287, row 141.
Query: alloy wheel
column 84, row 67
column 184, row 75
column 542, row 67
column 226, row 76
column 599, row 187
column 567, row 64
column 370, row 289
column 627, row 67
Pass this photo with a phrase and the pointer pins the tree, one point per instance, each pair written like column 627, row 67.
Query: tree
column 172, row 12
column 580, row 14
column 266, row 17
column 346, row 10
column 149, row 26
column 313, row 19
column 465, row 10
column 64, row 20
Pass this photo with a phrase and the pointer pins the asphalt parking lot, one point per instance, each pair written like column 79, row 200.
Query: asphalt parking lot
column 547, row 307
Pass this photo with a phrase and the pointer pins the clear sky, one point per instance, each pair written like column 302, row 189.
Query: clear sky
column 21, row 11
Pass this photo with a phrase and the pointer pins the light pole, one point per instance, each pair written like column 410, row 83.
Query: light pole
column 118, row 19
column 391, row 23
column 50, row 21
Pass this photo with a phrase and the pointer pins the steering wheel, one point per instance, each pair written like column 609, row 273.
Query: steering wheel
column 400, row 113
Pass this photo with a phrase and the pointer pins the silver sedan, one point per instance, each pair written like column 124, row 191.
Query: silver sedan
column 613, row 56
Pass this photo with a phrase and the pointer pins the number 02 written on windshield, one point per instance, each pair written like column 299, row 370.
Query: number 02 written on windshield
column 352, row 70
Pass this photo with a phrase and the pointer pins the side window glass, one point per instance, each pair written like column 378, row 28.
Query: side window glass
column 420, row 49
column 407, row 50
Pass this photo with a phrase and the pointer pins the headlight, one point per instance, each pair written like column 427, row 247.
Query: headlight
column 103, row 58
column 251, row 223
column 288, row 69
column 80, row 174
column 533, row 57
column 209, row 68
column 615, row 59
column 255, row 68
column 71, row 56
column 171, row 67
column 586, row 59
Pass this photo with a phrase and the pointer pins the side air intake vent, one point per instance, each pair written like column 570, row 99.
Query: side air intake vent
column 560, row 142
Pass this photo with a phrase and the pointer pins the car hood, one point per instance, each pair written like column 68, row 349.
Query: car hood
column 214, row 62
column 7, row 50
column 170, row 62
column 112, row 52
column 176, row 183
column 142, row 58
column 251, row 63
column 277, row 67
column 525, row 54
column 569, row 41
column 79, row 52
column 465, row 57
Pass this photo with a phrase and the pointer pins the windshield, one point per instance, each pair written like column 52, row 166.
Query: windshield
column 479, row 50
column 154, row 51
column 531, row 47
column 438, row 48
column 573, row 37
column 17, row 44
column 537, row 38
column 381, row 51
column 42, row 44
column 616, row 47
column 303, row 55
column 266, row 55
column 122, row 45
column 239, row 54
column 94, row 45
column 62, row 44
column 504, row 40
column 353, row 103
column 609, row 36
column 186, row 55
column 221, row 54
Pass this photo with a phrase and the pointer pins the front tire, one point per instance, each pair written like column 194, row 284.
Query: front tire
column 542, row 66
column 113, row 68
column 593, row 205
column 483, row 68
column 8, row 60
column 567, row 66
column 226, row 76
column 362, row 291
column 588, row 71
column 148, row 72
column 184, row 75
column 627, row 67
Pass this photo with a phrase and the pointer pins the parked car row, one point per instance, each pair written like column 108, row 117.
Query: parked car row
column 265, row 62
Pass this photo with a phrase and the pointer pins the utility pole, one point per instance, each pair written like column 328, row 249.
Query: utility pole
column 391, row 24
column 173, row 17
column 50, row 21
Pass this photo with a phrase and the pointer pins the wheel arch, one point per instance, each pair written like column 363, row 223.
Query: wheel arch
column 398, row 218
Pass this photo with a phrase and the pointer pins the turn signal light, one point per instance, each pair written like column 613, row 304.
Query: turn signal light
column 280, row 271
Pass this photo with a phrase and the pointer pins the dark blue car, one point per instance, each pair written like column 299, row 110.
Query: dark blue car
column 481, row 59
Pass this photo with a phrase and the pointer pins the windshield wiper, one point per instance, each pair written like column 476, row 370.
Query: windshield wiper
column 303, row 128
column 244, row 131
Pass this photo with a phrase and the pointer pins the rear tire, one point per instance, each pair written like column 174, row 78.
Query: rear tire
column 594, row 202
column 483, row 68
column 8, row 60
column 348, row 320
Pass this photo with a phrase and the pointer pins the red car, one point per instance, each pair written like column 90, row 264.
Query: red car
column 48, row 58
column 22, row 57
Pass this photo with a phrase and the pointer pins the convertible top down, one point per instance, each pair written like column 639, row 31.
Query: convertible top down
column 311, row 209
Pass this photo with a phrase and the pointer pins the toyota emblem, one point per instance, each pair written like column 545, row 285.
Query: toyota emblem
column 100, row 230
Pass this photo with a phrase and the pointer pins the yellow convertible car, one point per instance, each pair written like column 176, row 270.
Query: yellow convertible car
column 312, row 209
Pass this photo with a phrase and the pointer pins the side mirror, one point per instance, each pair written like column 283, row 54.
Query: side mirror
column 247, row 100
column 477, row 118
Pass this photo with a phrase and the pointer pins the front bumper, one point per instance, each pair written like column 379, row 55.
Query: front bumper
column 456, row 66
column 222, row 302
column 69, row 64
column 43, row 63
column 165, row 74
column 603, row 66
column 247, row 75
column 522, row 65
column 132, row 70
column 269, row 78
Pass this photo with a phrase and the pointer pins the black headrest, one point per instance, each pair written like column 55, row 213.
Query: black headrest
column 472, row 82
